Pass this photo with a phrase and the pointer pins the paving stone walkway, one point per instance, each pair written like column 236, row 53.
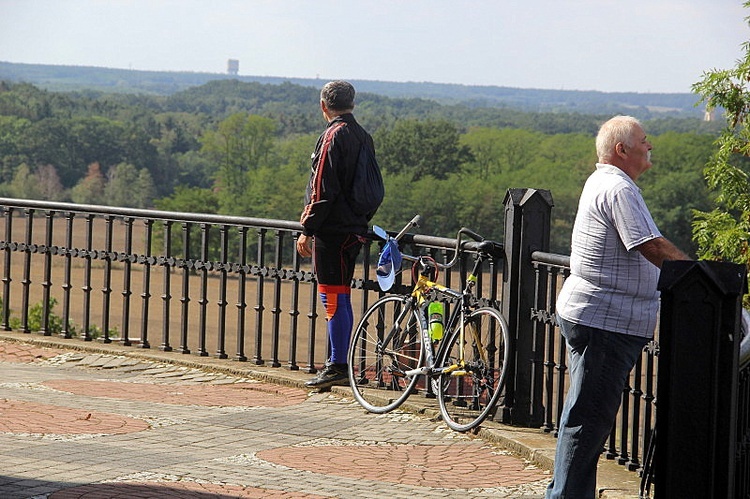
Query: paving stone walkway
column 82, row 425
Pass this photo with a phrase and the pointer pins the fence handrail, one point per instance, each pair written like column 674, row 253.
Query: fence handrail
column 212, row 219
column 551, row 259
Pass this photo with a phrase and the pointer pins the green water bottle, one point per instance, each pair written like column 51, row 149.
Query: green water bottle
column 435, row 312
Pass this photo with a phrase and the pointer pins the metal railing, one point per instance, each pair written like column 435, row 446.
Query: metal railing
column 630, row 434
column 176, row 274
column 630, row 437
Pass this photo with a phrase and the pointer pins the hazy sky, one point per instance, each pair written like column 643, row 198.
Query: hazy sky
column 607, row 45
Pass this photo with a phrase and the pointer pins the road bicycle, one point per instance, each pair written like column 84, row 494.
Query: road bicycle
column 393, row 354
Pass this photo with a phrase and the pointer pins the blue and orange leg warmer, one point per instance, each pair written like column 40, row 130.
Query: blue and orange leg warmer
column 339, row 319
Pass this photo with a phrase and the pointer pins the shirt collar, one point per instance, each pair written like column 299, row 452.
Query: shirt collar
column 607, row 168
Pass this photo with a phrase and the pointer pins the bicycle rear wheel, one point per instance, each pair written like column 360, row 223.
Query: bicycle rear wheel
column 469, row 390
column 386, row 343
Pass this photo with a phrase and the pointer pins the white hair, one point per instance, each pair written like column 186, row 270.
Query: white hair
column 616, row 130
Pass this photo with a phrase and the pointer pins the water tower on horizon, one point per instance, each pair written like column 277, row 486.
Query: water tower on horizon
column 233, row 67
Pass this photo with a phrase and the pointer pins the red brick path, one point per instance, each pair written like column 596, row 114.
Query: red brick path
column 441, row 466
column 32, row 417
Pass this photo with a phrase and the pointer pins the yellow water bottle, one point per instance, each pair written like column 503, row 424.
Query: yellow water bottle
column 435, row 312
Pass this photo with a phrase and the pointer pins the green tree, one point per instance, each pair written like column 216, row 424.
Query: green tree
column 277, row 190
column 240, row 144
column 90, row 189
column 724, row 232
column 122, row 181
column 24, row 184
column 42, row 183
column 189, row 199
column 421, row 148
column 12, row 150
column 145, row 191
column 675, row 186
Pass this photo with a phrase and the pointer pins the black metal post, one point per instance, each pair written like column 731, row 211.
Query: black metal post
column 527, row 228
column 699, row 356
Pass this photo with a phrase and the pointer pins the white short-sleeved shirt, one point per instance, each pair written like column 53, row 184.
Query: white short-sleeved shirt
column 611, row 285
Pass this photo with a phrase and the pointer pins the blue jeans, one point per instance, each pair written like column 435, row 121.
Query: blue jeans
column 600, row 362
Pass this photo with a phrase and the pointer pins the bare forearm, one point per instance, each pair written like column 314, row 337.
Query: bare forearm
column 660, row 249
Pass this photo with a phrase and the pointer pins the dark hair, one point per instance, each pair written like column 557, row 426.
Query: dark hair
column 338, row 95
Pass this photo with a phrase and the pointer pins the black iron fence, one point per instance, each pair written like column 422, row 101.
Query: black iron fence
column 230, row 287
column 630, row 435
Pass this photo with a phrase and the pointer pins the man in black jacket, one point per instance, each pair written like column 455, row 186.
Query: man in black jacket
column 332, row 233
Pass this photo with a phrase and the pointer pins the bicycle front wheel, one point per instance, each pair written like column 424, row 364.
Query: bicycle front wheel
column 386, row 344
column 474, row 366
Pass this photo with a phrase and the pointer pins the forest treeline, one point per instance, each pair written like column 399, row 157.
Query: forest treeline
column 113, row 80
column 239, row 148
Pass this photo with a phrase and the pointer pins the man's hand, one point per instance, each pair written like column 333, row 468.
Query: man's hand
column 304, row 245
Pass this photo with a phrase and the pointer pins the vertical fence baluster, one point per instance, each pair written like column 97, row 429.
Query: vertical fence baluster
column 87, row 277
column 313, row 316
column 276, row 310
column 26, row 281
column 636, row 394
column 203, row 301
column 649, row 395
column 549, row 363
column 166, row 287
column 620, row 451
column 294, row 306
column 187, row 265
column 47, row 281
column 147, row 261
column 127, row 260
column 107, row 289
column 261, row 275
column 562, row 368
column 241, row 294
column 222, row 325
column 7, row 250
column 67, row 286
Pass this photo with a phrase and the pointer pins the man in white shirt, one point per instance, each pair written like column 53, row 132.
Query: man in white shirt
column 608, row 306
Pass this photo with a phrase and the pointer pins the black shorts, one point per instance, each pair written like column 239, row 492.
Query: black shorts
column 334, row 258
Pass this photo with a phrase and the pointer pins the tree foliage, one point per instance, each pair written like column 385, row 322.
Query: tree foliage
column 421, row 148
column 724, row 232
column 240, row 148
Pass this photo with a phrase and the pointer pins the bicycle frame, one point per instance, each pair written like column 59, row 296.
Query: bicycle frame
column 422, row 287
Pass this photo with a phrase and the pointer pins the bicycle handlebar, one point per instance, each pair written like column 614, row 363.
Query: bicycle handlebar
column 414, row 222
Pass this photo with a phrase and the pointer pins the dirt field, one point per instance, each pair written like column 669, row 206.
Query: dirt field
column 258, row 317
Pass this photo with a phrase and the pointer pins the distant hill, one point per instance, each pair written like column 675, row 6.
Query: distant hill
column 77, row 78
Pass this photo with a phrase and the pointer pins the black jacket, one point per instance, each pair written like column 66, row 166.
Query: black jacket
column 333, row 162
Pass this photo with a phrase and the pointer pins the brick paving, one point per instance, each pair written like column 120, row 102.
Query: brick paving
column 43, row 419
column 98, row 425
